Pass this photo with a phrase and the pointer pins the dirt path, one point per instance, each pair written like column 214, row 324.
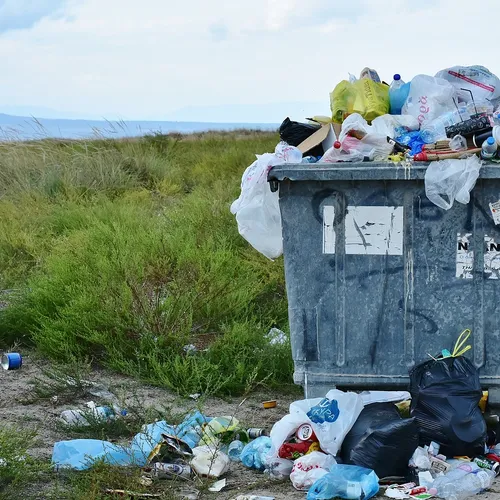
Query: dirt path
column 19, row 407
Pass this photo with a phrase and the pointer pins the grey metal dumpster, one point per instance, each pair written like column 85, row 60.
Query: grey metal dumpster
column 378, row 278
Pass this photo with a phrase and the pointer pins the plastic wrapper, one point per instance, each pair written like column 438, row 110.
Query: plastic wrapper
column 309, row 468
column 450, row 180
column 294, row 133
column 445, row 398
column 381, row 440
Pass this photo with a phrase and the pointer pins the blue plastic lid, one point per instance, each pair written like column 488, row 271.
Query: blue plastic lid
column 491, row 141
column 397, row 76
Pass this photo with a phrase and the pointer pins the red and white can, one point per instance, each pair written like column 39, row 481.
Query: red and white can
column 306, row 433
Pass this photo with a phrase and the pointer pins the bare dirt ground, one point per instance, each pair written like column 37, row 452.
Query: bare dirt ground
column 19, row 408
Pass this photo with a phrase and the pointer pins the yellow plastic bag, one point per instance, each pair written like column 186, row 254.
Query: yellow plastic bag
column 366, row 97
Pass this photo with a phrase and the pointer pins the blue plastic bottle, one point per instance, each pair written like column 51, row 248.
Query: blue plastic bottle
column 398, row 93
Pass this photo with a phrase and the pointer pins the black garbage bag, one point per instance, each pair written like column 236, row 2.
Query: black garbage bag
column 294, row 133
column 445, row 397
column 381, row 440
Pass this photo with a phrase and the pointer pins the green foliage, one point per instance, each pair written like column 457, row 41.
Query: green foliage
column 125, row 251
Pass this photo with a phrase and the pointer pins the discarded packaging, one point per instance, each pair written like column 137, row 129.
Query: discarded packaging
column 308, row 469
column 209, row 462
column 170, row 447
column 253, row 497
column 218, row 486
column 255, row 453
column 161, row 470
column 132, row 494
column 269, row 404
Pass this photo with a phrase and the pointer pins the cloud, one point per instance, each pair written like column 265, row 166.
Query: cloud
column 147, row 59
column 23, row 14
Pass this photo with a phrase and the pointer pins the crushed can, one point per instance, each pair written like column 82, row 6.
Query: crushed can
column 170, row 471
column 486, row 463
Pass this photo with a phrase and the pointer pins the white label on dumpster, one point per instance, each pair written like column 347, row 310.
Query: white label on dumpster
column 374, row 230
column 465, row 256
column 328, row 229
column 495, row 211
column 491, row 258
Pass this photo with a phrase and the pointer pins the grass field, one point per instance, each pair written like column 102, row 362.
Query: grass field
column 122, row 252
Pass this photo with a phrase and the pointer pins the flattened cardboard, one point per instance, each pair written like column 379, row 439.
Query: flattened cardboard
column 325, row 136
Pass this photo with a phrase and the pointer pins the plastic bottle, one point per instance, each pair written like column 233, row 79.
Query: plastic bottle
column 82, row 417
column 489, row 149
column 469, row 485
column 234, row 450
column 435, row 130
column 398, row 93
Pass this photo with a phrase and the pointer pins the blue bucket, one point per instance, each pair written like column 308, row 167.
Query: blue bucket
column 11, row 361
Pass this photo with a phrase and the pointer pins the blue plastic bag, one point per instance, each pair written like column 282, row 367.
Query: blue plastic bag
column 254, row 453
column 345, row 481
column 81, row 453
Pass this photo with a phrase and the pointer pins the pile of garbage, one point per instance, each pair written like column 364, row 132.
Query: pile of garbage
column 451, row 120
column 433, row 441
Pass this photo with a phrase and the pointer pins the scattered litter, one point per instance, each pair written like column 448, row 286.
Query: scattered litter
column 309, row 468
column 276, row 337
column 253, row 497
column 188, row 494
column 195, row 396
column 209, row 462
column 160, row 470
column 93, row 413
column 11, row 361
column 218, row 486
column 269, row 404
column 171, row 447
column 146, row 481
column 132, row 494
column 255, row 453
column 190, row 349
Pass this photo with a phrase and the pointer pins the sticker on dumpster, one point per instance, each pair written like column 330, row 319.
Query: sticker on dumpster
column 495, row 211
column 328, row 230
column 374, row 230
column 491, row 258
column 465, row 257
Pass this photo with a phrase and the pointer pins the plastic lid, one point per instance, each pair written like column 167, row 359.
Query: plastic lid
column 490, row 141
column 397, row 76
column 337, row 144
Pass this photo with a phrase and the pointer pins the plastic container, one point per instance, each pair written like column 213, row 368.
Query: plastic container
column 398, row 93
column 82, row 417
column 368, row 256
column 489, row 149
column 435, row 130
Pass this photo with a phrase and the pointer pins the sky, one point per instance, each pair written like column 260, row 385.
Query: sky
column 223, row 60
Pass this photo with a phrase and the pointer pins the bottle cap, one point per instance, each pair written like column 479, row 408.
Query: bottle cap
column 397, row 76
column 337, row 144
column 490, row 141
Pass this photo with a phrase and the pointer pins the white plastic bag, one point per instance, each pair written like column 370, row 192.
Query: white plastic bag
column 257, row 209
column 393, row 125
column 309, row 468
column 479, row 80
column 450, row 180
column 331, row 418
column 429, row 98
column 370, row 397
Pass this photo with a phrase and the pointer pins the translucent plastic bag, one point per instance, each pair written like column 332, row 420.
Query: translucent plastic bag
column 366, row 97
column 479, row 80
column 309, row 468
column 429, row 98
column 255, row 454
column 331, row 418
column 345, row 481
column 257, row 209
column 450, row 180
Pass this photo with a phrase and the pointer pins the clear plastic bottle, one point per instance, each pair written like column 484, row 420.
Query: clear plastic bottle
column 398, row 93
column 435, row 130
column 234, row 450
column 489, row 149
column 467, row 486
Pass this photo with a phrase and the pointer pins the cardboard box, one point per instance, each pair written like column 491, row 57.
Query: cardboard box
column 325, row 136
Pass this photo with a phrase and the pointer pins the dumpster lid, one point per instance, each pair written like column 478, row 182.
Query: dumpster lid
column 362, row 171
